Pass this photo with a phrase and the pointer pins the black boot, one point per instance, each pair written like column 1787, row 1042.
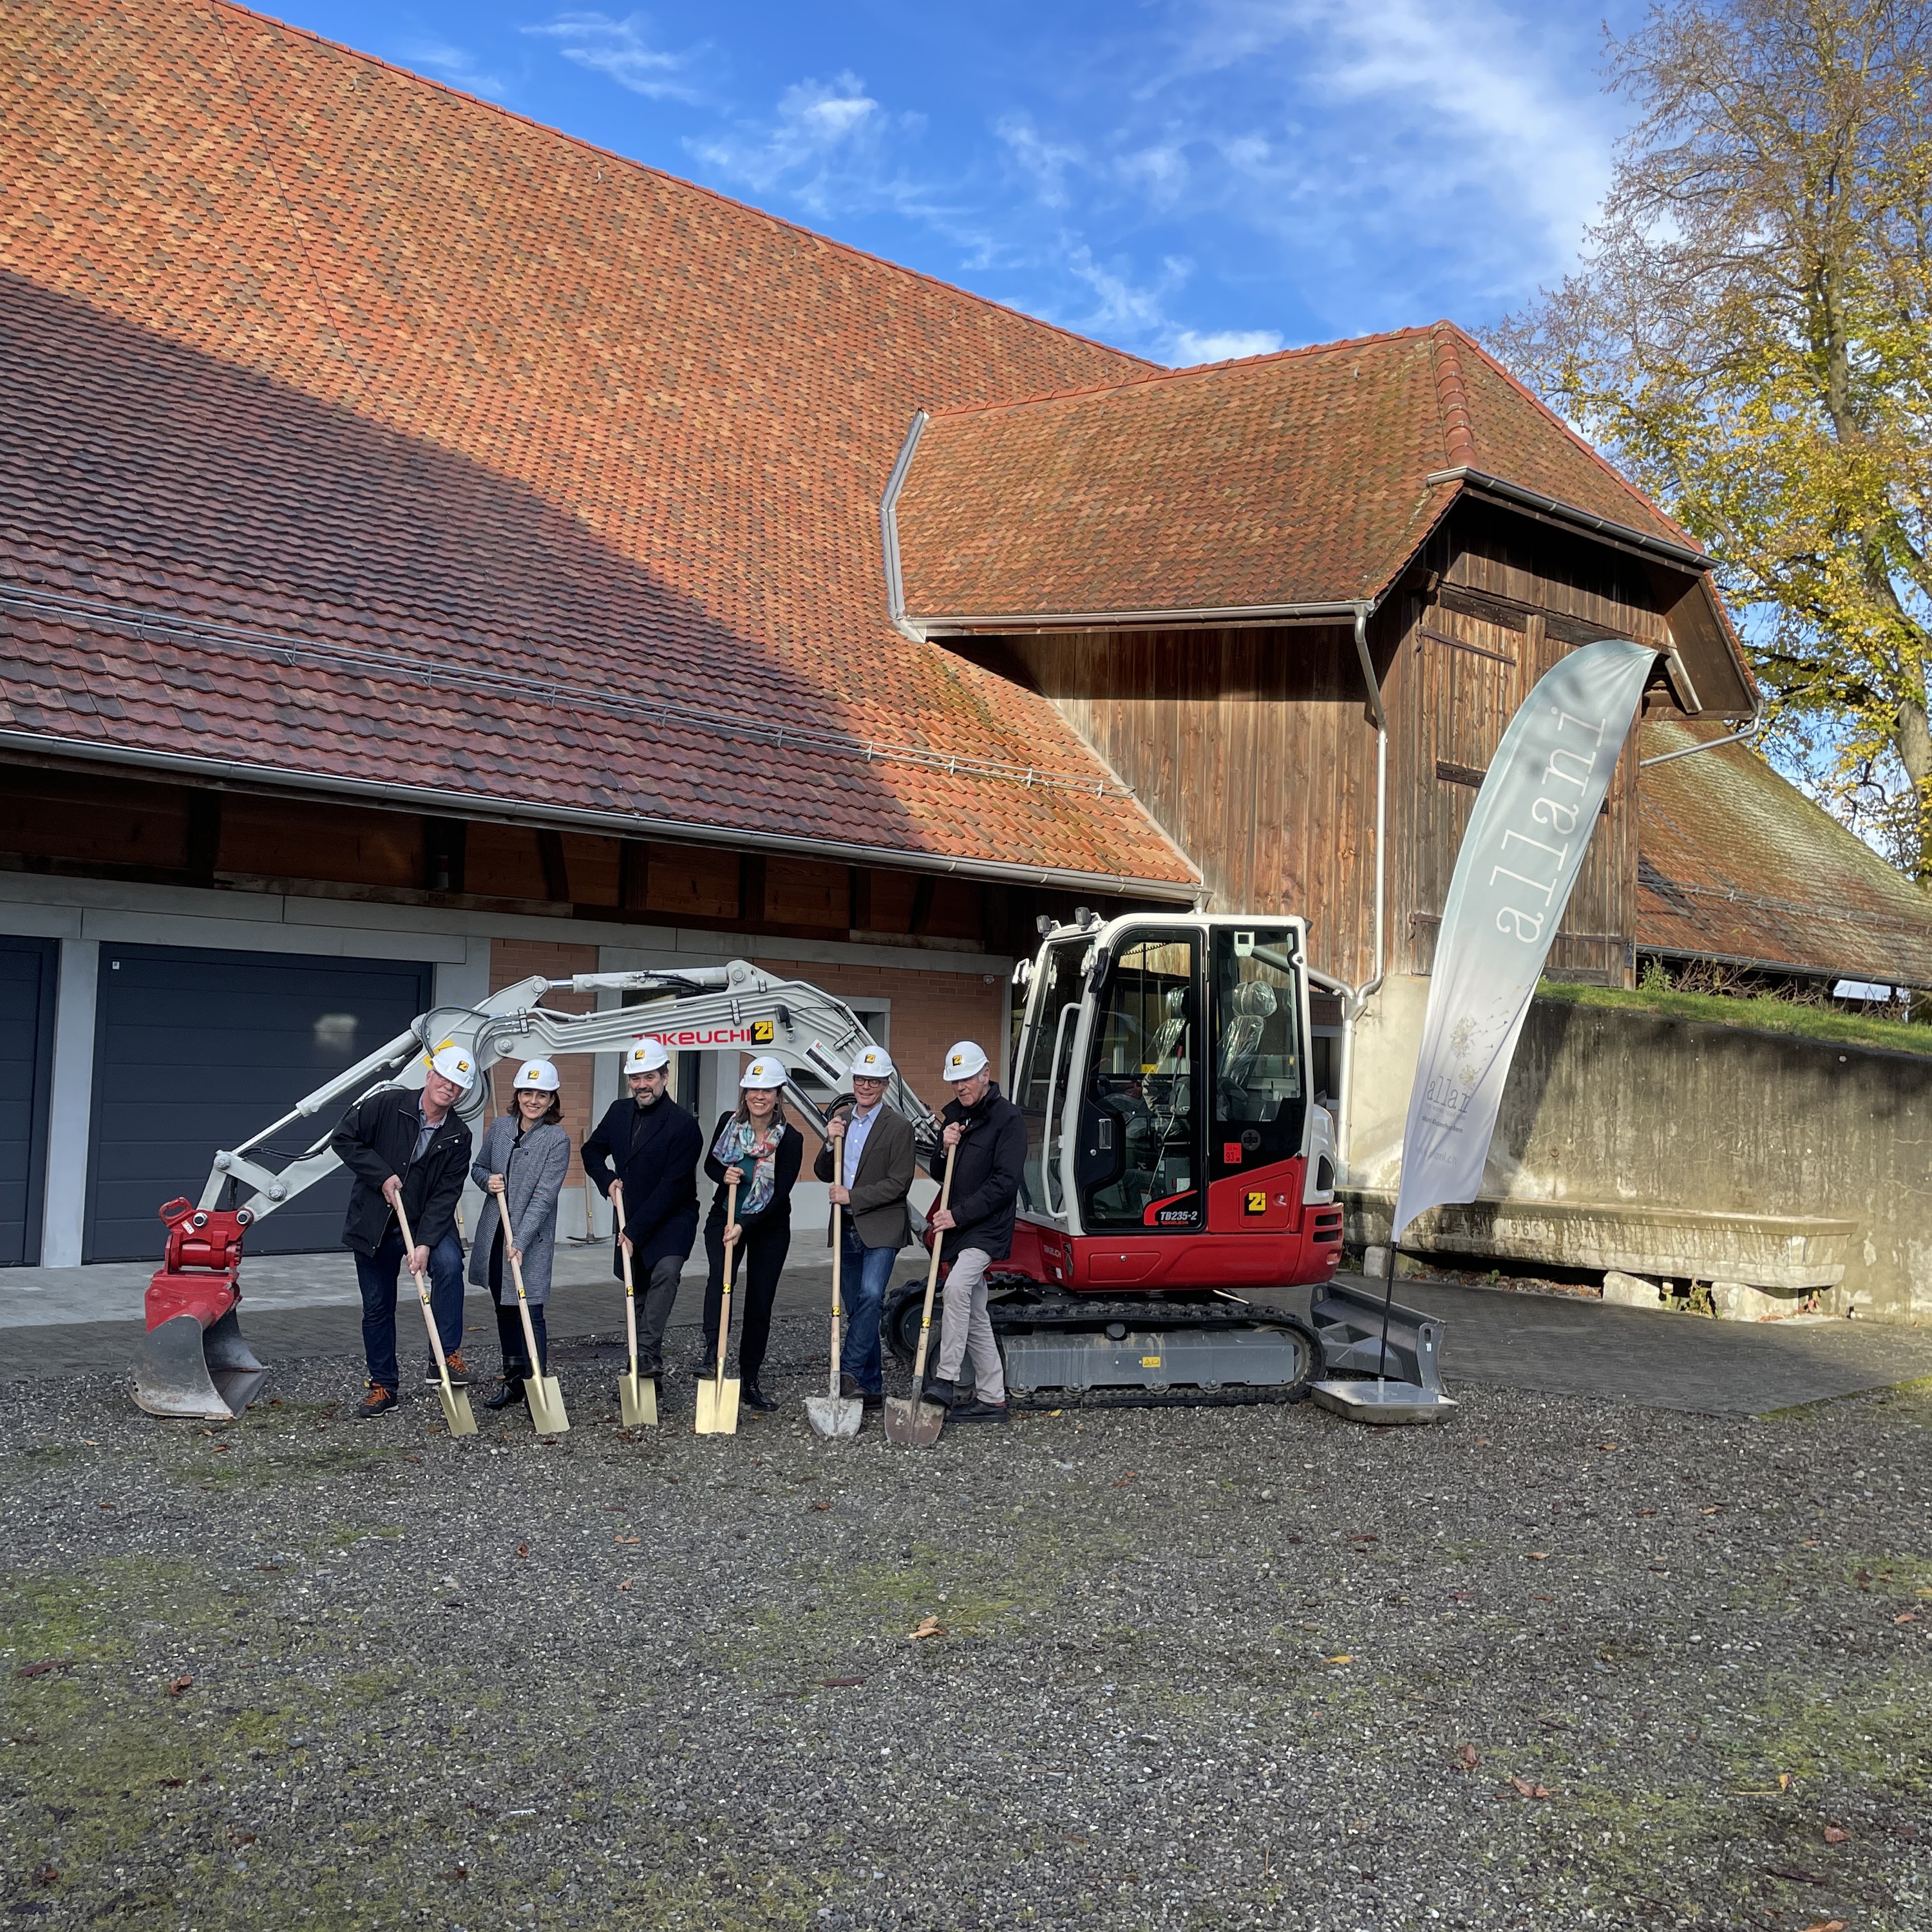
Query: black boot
column 509, row 1394
column 939, row 1392
column 754, row 1398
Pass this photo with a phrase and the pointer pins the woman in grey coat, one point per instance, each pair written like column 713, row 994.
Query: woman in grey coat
column 525, row 1156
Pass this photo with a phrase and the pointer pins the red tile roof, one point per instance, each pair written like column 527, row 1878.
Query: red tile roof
column 347, row 415
column 1735, row 864
column 1295, row 478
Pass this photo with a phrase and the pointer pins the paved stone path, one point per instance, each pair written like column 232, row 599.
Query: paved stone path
column 1549, row 1343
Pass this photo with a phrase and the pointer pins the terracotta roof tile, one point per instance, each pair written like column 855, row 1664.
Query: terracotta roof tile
column 1735, row 864
column 1299, row 478
column 304, row 346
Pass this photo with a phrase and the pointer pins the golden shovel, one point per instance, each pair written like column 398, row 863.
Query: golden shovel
column 911, row 1423
column 456, row 1410
column 718, row 1398
column 833, row 1414
column 545, row 1393
column 636, row 1395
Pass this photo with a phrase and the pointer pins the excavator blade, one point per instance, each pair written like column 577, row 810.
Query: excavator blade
column 202, row 1375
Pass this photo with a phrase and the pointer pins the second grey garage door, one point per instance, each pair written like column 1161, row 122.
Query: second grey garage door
column 196, row 1050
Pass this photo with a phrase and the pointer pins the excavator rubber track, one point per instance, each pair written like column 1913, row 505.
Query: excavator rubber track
column 1174, row 1350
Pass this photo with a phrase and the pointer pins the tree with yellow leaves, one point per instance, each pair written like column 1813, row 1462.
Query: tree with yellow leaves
column 1750, row 333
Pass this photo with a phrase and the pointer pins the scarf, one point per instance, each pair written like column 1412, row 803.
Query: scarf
column 741, row 1145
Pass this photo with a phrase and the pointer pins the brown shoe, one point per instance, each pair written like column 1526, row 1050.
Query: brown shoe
column 378, row 1402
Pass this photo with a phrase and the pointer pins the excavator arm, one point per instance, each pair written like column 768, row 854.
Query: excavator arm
column 707, row 1007
column 193, row 1361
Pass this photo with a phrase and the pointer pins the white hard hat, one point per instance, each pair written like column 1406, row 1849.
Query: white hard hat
column 539, row 1074
column 964, row 1061
column 646, row 1056
column 767, row 1070
column 874, row 1063
column 454, row 1064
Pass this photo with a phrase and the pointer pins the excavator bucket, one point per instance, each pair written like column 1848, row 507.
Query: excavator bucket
column 193, row 1362
column 201, row 1375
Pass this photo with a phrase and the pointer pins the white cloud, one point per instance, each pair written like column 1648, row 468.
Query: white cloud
column 831, row 148
column 445, row 61
column 1187, row 346
column 623, row 50
column 1378, row 120
column 1044, row 162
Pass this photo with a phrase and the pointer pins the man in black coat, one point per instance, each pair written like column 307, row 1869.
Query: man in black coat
column 410, row 1146
column 644, row 1159
column 988, row 1134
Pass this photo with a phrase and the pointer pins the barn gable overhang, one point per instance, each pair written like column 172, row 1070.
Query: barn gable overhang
column 1284, row 490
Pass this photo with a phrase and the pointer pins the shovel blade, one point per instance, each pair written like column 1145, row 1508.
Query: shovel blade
column 544, row 1394
column 833, row 1416
column 911, row 1425
column 638, row 1397
column 718, row 1407
column 456, row 1410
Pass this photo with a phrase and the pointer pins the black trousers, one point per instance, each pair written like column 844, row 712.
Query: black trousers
column 755, row 1287
column 510, row 1323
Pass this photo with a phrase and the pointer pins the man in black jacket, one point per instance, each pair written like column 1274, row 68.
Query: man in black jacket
column 989, row 1134
column 402, row 1145
column 644, row 1159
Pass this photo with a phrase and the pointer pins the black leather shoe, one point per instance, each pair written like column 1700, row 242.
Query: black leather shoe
column 942, row 1394
column 754, row 1398
column 981, row 1411
column 649, row 1368
column 507, row 1396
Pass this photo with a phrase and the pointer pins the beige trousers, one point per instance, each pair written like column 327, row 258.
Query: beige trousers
column 965, row 1328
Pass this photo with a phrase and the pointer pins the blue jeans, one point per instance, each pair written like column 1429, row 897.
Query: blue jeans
column 863, row 1274
column 376, row 1275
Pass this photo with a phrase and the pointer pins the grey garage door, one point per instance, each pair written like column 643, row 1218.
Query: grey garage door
column 196, row 1050
column 28, row 967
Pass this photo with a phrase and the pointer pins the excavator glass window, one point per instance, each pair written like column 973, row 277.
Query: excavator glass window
column 1040, row 1069
column 1138, row 1163
column 1259, row 1079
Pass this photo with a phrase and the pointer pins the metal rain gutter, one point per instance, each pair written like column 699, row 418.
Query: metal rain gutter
column 888, row 531
column 1103, row 620
column 509, row 811
column 1569, row 513
column 1355, row 998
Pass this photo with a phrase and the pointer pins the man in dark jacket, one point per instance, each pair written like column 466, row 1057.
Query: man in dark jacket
column 410, row 1146
column 644, row 1159
column 976, row 1228
column 876, row 1162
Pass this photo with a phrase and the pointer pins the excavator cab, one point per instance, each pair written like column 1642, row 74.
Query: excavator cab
column 1172, row 1140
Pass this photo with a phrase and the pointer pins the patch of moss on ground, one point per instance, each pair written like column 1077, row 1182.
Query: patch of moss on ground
column 1755, row 1014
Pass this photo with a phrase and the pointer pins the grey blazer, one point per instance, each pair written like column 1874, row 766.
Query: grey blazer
column 886, row 1163
column 534, row 1178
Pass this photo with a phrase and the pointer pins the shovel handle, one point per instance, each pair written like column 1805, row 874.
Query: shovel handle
column 725, row 1299
column 932, row 1275
column 630, row 1292
column 517, row 1275
column 422, row 1295
column 838, row 1252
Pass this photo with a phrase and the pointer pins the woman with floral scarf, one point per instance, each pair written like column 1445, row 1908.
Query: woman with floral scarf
column 757, row 1150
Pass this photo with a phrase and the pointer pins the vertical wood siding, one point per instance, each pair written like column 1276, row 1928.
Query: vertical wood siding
column 1253, row 748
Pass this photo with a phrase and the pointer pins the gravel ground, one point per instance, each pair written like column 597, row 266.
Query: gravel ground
column 1561, row 1663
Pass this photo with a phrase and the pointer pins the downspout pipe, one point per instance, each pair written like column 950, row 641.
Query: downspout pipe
column 1354, row 999
column 1750, row 731
column 889, row 530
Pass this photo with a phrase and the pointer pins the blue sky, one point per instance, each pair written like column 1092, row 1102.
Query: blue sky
column 1185, row 178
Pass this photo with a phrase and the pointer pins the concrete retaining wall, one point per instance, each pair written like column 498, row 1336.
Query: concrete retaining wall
column 1631, row 1114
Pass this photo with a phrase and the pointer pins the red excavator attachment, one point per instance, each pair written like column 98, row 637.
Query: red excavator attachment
column 193, row 1362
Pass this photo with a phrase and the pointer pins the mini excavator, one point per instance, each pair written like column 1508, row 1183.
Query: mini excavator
column 1180, row 1174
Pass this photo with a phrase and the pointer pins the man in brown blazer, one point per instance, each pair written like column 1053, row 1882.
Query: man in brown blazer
column 876, row 1159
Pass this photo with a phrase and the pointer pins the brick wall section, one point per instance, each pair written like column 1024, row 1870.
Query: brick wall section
column 514, row 959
